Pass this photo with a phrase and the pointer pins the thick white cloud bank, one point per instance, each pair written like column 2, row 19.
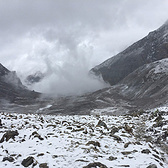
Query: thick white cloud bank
column 65, row 39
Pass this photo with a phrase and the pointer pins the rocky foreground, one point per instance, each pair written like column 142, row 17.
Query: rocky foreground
column 139, row 140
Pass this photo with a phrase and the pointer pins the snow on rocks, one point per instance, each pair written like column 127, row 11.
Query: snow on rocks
column 44, row 141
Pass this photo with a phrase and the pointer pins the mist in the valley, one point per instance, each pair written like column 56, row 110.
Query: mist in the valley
column 65, row 39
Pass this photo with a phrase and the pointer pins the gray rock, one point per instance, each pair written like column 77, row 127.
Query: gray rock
column 95, row 165
column 152, row 166
column 146, row 151
column 8, row 135
column 95, row 143
column 9, row 159
column 128, row 129
column 111, row 158
column 43, row 165
column 28, row 161
column 103, row 124
column 114, row 130
column 116, row 137
column 36, row 135
column 127, row 144
column 0, row 123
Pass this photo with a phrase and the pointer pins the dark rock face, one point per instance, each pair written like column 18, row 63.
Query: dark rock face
column 149, row 49
column 3, row 70
column 147, row 86
column 34, row 78
column 12, row 89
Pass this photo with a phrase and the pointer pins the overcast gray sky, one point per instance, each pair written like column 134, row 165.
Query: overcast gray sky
column 65, row 38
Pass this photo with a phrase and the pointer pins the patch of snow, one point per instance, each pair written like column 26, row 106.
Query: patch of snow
column 65, row 140
column 43, row 108
column 162, row 67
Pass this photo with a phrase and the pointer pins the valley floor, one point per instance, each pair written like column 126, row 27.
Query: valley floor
column 137, row 141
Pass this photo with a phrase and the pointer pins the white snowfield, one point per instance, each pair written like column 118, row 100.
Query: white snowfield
column 77, row 141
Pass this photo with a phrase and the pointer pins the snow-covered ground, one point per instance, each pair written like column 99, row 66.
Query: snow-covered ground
column 77, row 141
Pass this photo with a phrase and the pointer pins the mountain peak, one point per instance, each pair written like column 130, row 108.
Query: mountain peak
column 151, row 48
column 3, row 70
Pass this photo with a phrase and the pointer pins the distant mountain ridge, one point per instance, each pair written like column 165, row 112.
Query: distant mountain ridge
column 151, row 48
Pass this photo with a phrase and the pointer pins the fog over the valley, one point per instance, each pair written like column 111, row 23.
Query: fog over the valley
column 64, row 39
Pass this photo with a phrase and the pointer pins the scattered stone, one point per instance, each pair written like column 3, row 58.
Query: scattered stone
column 152, row 166
column 103, row 124
column 165, row 135
column 40, row 154
column 146, row 151
column 77, row 130
column 8, row 135
column 65, row 123
column 156, row 151
column 123, row 165
column 81, row 160
column 9, row 159
column 158, row 124
column 95, row 143
column 43, row 165
column 159, row 118
column 114, row 130
column 156, row 156
column 36, row 135
column 70, row 128
column 51, row 125
column 138, row 143
column 148, row 138
column 127, row 144
column 116, row 137
column 28, row 161
column 111, row 158
column 128, row 129
column 0, row 123
column 95, row 165
column 126, row 152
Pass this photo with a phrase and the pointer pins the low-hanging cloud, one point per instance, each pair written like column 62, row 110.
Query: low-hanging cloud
column 65, row 39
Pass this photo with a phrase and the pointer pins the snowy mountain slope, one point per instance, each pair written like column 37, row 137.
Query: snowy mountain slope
column 145, row 88
column 12, row 89
column 150, row 80
column 151, row 48
column 28, row 140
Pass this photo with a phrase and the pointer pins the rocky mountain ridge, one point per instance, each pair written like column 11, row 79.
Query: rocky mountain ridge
column 12, row 89
column 151, row 48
